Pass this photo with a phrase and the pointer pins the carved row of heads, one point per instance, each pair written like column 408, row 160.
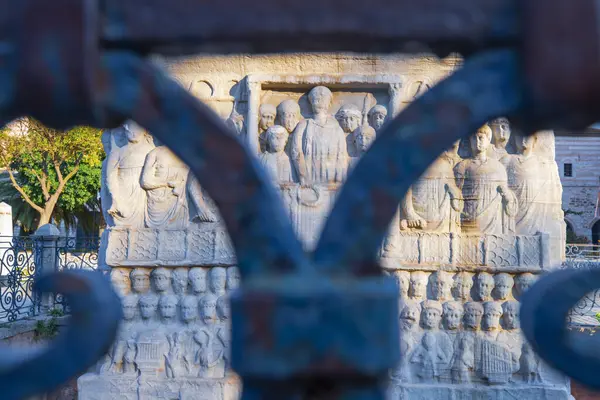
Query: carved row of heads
column 170, row 308
column 498, row 132
column 179, row 281
column 461, row 286
column 454, row 315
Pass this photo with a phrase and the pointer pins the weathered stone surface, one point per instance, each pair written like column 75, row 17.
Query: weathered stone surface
column 470, row 237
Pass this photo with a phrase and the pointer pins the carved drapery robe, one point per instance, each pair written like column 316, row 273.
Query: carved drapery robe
column 278, row 166
column 485, row 210
column 124, row 170
column 319, row 151
column 432, row 195
column 526, row 179
column 167, row 206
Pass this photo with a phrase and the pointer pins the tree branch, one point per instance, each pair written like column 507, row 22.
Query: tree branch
column 44, row 184
column 58, row 173
column 22, row 192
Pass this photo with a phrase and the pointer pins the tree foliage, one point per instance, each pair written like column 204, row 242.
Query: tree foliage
column 54, row 173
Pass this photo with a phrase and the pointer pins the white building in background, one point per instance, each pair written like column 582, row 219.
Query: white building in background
column 578, row 158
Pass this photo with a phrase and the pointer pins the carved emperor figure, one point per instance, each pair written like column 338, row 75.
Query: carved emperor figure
column 489, row 205
column 433, row 203
column 501, row 135
column 318, row 150
column 123, row 173
column 164, row 177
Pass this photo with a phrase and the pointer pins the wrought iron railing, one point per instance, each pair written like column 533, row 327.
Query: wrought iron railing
column 21, row 261
column 584, row 256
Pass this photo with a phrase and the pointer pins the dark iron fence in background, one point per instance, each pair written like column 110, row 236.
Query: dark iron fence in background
column 584, row 256
column 22, row 259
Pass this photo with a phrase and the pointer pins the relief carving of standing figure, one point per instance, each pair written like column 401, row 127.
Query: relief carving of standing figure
column 318, row 151
column 267, row 114
column 164, row 177
column 349, row 118
column 124, row 171
column 409, row 338
column 500, row 135
column 489, row 205
column 275, row 160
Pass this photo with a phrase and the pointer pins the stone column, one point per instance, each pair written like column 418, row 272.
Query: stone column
column 46, row 258
column 252, row 116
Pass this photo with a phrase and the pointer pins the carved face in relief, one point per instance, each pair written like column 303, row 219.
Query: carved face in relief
column 485, row 285
column 267, row 116
column 377, row 116
column 179, row 280
column 140, row 280
column 349, row 117
column 418, row 285
column 218, row 279
column 277, row 138
column 453, row 314
column 130, row 305
column 223, row 310
column 288, row 113
column 492, row 312
column 481, row 140
column 198, row 280
column 504, row 285
column 510, row 314
column 134, row 132
column 148, row 306
column 409, row 316
column 364, row 138
column 233, row 278
column 402, row 279
column 473, row 314
column 523, row 282
column 455, row 147
column 208, row 308
column 161, row 278
column 463, row 284
column 431, row 314
column 525, row 143
column 320, row 99
column 120, row 281
column 441, row 285
column 189, row 309
column 500, row 131
column 167, row 306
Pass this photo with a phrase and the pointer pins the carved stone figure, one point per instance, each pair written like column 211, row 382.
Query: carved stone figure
column 205, row 356
column 501, row 135
column 164, row 178
column 473, row 315
column 463, row 361
column 208, row 309
column 199, row 211
column 377, row 116
column 433, row 354
column 120, row 281
column 409, row 337
column 267, row 114
column 496, row 360
column 485, row 286
column 124, row 170
column 116, row 354
column 452, row 154
column 172, row 358
column 288, row 114
column 531, row 184
column 129, row 364
column 161, row 279
column 349, row 118
column 418, row 285
column 140, row 280
column 105, row 197
column 318, row 151
column 167, row 307
column 402, row 279
column 198, row 280
column 433, row 202
column 463, row 282
column 441, row 285
column 489, row 205
column 523, row 282
column 511, row 337
column 504, row 284
column 148, row 307
column 223, row 329
column 189, row 309
column 452, row 316
column 363, row 139
column 179, row 280
column 218, row 281
column 275, row 160
column 233, row 278
column 530, row 365
column 492, row 311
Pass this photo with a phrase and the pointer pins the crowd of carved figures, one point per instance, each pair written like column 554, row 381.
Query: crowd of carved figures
column 490, row 192
column 175, row 322
column 462, row 328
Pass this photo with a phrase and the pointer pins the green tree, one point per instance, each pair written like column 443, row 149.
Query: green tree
column 55, row 174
